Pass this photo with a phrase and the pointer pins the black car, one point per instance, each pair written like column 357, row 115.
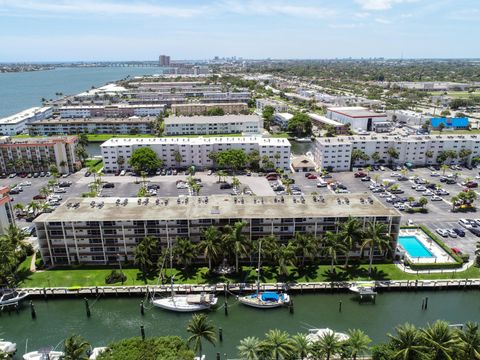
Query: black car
column 459, row 232
column 88, row 173
column 475, row 231
column 153, row 187
column 225, row 186
column 402, row 178
column 431, row 186
column 14, row 191
column 108, row 185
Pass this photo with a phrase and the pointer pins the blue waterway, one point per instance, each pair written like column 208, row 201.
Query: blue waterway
column 22, row 90
column 414, row 247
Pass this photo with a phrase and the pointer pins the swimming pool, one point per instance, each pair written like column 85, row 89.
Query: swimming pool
column 414, row 247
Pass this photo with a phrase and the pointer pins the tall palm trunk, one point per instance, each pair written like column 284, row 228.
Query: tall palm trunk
column 209, row 263
column 371, row 260
column 236, row 262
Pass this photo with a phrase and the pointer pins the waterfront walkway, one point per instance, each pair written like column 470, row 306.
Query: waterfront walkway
column 233, row 289
column 408, row 270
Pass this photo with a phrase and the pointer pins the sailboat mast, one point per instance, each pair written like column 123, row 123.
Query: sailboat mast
column 171, row 265
column 258, row 268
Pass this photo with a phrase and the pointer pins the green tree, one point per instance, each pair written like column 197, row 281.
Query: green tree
column 185, row 252
column 250, row 348
column 350, row 235
column 306, row 246
column 144, row 256
column 210, row 244
column 300, row 125
column 407, row 344
column 357, row 154
column 376, row 157
column 331, row 246
column 178, row 157
column 423, row 201
column 8, row 263
column 201, row 329
column 393, row 154
column 442, row 342
column 233, row 159
column 267, row 115
column 470, row 339
column 464, row 154
column 284, row 257
column 254, row 159
column 144, row 159
column 236, row 240
column 221, row 175
column 327, row 346
column 215, row 111
column 301, row 346
column 75, row 348
column 82, row 139
column 375, row 236
column 278, row 344
column 358, row 343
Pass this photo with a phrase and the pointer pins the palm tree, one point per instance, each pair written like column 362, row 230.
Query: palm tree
column 221, row 175
column 375, row 235
column 200, row 328
column 21, row 209
column 444, row 168
column 250, row 348
column 331, row 246
column 285, row 256
column 301, row 346
column 15, row 237
column 235, row 238
column 442, row 342
column 350, row 235
column 471, row 341
column 75, row 348
column 278, row 344
column 235, row 182
column 185, row 252
column 306, row 246
column 144, row 255
column 357, row 343
column 178, row 157
column 34, row 206
column 407, row 344
column 210, row 245
column 327, row 345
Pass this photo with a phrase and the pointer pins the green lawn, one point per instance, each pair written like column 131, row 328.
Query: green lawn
column 456, row 132
column 454, row 94
column 96, row 277
column 105, row 137
column 97, row 164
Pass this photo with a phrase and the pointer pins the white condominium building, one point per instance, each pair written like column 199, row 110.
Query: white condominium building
column 419, row 150
column 7, row 217
column 17, row 123
column 278, row 106
column 117, row 110
column 211, row 125
column 359, row 118
column 193, row 151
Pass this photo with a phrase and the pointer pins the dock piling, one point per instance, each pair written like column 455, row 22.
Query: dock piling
column 142, row 308
column 218, row 356
column 340, row 306
column 225, row 307
column 220, row 334
column 426, row 303
column 32, row 310
column 87, row 307
column 142, row 331
column 290, row 307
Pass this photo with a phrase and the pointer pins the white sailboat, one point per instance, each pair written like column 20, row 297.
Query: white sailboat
column 186, row 302
column 315, row 335
column 44, row 355
column 8, row 347
column 265, row 299
column 12, row 297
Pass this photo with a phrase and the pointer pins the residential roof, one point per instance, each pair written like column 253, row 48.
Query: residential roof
column 196, row 141
column 217, row 207
column 450, row 122
column 356, row 112
column 324, row 119
column 302, row 161
column 96, row 120
column 200, row 119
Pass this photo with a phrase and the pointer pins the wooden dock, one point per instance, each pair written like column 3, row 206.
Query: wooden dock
column 380, row 286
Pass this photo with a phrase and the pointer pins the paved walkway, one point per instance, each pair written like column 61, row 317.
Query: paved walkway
column 33, row 268
column 407, row 270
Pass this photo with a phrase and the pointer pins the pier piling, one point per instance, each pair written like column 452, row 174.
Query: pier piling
column 290, row 306
column 218, row 356
column 225, row 306
column 340, row 306
column 142, row 331
column 87, row 307
column 142, row 308
column 220, row 334
column 426, row 303
column 32, row 310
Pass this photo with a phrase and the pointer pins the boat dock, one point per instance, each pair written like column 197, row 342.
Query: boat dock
column 380, row 286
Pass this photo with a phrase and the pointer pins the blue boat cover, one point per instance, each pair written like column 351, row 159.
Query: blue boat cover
column 270, row 296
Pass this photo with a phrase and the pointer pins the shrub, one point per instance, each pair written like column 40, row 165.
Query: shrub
column 115, row 277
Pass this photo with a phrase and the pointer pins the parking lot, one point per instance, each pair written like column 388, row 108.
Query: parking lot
column 439, row 213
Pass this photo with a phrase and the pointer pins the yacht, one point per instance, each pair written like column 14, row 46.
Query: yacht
column 44, row 355
column 7, row 347
column 96, row 352
column 12, row 297
column 184, row 302
column 265, row 299
column 363, row 286
column 303, row 140
column 315, row 335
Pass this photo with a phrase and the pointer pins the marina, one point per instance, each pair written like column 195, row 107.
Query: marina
column 117, row 317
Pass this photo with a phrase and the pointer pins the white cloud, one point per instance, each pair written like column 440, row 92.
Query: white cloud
column 380, row 4
column 102, row 8
column 382, row 21
column 345, row 26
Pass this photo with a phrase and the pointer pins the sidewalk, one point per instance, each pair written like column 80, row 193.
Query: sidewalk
column 407, row 270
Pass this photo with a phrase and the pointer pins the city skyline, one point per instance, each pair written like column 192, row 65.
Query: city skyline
column 141, row 30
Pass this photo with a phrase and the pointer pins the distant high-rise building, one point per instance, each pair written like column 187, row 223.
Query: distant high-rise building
column 164, row 60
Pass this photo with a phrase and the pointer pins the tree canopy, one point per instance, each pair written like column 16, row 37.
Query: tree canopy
column 144, row 159
column 300, row 125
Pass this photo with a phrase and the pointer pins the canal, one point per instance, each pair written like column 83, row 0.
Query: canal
column 115, row 318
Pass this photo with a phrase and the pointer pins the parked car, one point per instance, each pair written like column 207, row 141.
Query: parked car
column 59, row 190
column 471, row 184
column 402, row 178
column 108, row 185
column 475, row 231
column 153, row 186
column 435, row 198
column 209, row 172
column 366, row 178
column 39, row 197
column 11, row 176
column 321, row 183
column 451, row 233
column 359, row 174
column 442, row 232
column 225, row 186
column 456, row 250
column 88, row 173
column 312, row 177
column 459, row 232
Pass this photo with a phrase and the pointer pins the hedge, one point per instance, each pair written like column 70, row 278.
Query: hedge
column 436, row 266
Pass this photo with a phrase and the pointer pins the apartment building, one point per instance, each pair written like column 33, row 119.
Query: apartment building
column 359, row 118
column 193, row 151
column 211, row 125
column 419, row 150
column 222, row 97
column 109, row 111
column 37, row 154
column 322, row 122
column 189, row 109
column 17, row 123
column 278, row 106
column 7, row 217
column 96, row 230
column 282, row 119
column 65, row 126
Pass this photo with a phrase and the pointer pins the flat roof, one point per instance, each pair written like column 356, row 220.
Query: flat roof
column 201, row 119
column 208, row 104
column 347, row 139
column 217, row 207
column 21, row 116
column 196, row 141
column 34, row 141
column 112, row 106
column 356, row 112
column 95, row 120
column 324, row 120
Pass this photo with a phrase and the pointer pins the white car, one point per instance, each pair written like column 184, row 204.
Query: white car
column 209, row 172
column 421, row 188
column 25, row 183
column 394, row 174
column 59, row 191
column 427, row 193
column 465, row 223
column 435, row 198
column 442, row 232
column 321, row 183
column 401, row 207
column 434, row 174
column 382, row 168
column 452, row 233
column 123, row 172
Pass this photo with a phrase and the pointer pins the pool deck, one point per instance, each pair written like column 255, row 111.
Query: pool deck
column 439, row 255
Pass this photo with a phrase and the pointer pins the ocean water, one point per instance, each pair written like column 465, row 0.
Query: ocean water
column 19, row 91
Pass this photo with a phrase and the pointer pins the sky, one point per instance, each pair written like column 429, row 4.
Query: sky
column 102, row 30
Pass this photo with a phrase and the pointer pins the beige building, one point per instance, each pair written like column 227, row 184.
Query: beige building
column 7, row 217
column 202, row 109
column 37, row 154
column 95, row 230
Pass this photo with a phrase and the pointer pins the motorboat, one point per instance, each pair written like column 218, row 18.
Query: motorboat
column 12, row 297
column 46, row 354
column 7, row 347
column 186, row 303
column 362, row 286
column 265, row 300
column 315, row 335
column 96, row 352
column 303, row 140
